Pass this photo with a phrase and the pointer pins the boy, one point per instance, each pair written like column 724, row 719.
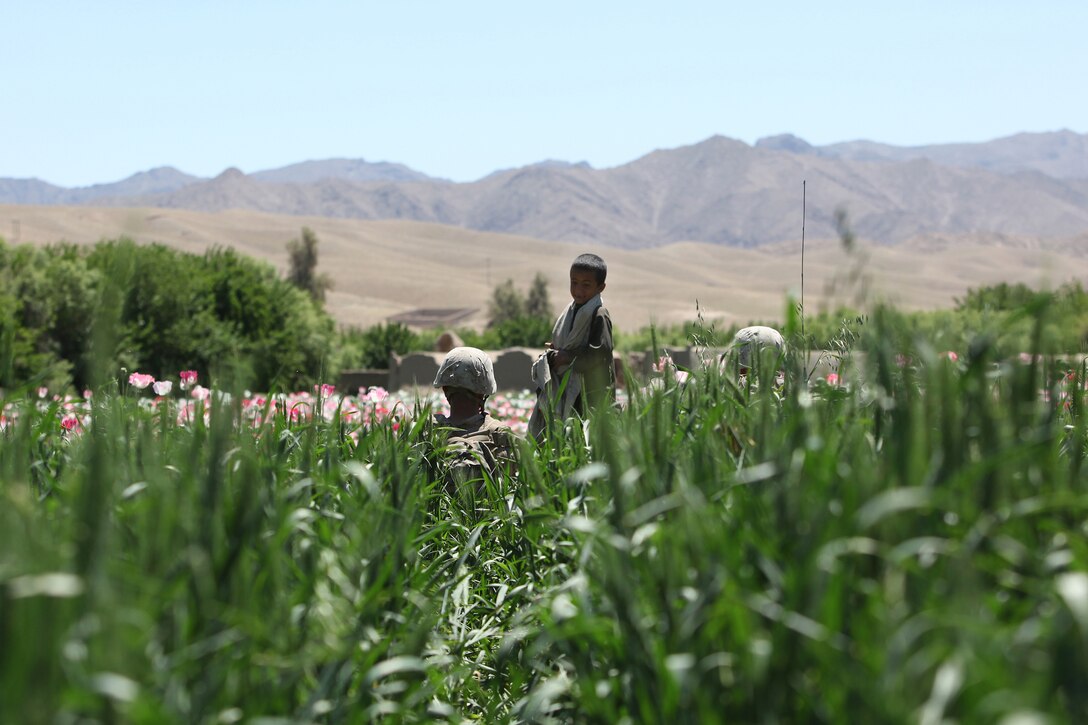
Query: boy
column 580, row 351
column 475, row 442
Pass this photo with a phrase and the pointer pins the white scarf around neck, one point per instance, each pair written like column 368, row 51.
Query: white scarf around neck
column 570, row 332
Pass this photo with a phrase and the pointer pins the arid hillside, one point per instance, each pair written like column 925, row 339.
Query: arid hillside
column 381, row 268
column 719, row 191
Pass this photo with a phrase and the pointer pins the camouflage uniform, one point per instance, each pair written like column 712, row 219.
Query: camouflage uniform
column 476, row 445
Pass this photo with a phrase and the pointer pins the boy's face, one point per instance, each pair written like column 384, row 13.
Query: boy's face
column 584, row 285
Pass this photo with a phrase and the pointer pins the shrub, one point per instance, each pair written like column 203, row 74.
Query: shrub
column 371, row 348
column 173, row 311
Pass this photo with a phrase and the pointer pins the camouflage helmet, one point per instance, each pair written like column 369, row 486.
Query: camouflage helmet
column 469, row 368
column 749, row 341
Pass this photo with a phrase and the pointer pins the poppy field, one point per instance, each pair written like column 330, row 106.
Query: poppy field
column 902, row 542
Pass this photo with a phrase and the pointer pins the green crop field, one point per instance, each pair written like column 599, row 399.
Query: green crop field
column 906, row 544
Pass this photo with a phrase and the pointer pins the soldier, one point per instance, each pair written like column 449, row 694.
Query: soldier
column 752, row 343
column 475, row 442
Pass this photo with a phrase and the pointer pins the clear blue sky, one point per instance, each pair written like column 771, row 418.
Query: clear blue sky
column 96, row 91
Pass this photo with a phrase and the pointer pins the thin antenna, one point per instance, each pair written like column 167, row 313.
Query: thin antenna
column 804, row 201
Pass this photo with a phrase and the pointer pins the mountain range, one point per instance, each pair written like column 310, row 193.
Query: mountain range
column 1062, row 154
column 719, row 191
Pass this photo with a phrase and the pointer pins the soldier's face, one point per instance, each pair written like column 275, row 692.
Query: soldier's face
column 467, row 396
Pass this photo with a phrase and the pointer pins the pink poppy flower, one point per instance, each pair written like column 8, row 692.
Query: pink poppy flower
column 162, row 387
column 188, row 377
column 69, row 422
column 140, row 381
column 832, row 378
column 951, row 355
column 201, row 393
column 376, row 394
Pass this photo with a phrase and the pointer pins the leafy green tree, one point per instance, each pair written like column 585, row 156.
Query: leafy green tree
column 514, row 318
column 997, row 298
column 216, row 312
column 46, row 299
column 371, row 348
column 507, row 303
column 75, row 291
column 302, row 271
column 524, row 332
column 537, row 303
column 173, row 311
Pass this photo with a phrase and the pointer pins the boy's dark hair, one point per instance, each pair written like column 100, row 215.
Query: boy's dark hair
column 591, row 263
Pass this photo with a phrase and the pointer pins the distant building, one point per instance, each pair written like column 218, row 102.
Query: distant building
column 426, row 318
